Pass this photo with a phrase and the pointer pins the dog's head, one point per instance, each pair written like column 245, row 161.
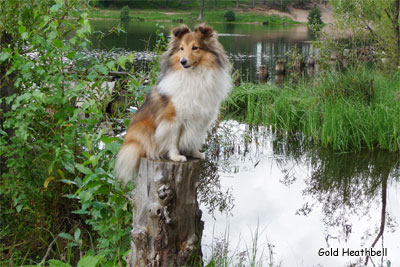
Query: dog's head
column 191, row 49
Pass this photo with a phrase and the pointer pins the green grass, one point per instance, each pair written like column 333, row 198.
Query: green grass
column 189, row 15
column 357, row 109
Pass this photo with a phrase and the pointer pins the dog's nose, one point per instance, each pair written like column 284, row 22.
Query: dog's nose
column 183, row 61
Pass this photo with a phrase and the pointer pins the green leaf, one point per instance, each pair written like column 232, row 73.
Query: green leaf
column 113, row 147
column 83, row 169
column 55, row 8
column 66, row 181
column 77, row 234
column 4, row 56
column 80, row 212
column 71, row 196
column 71, row 55
column 24, row 36
column 85, row 196
column 130, row 57
column 21, row 29
column 87, row 155
column 66, row 236
column 111, row 65
column 106, row 139
column 121, row 61
column 90, row 261
column 19, row 208
column 57, row 263
column 52, row 35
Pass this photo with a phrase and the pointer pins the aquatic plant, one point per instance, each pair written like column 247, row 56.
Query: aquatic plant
column 258, row 251
column 349, row 110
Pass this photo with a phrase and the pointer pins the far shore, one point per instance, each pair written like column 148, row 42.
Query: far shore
column 257, row 15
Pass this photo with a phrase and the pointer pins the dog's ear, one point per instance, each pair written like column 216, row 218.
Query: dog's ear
column 179, row 32
column 206, row 31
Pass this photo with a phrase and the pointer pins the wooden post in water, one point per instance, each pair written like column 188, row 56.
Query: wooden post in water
column 280, row 67
column 280, row 71
column 167, row 225
column 262, row 74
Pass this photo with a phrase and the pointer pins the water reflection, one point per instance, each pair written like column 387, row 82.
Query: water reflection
column 308, row 197
column 346, row 185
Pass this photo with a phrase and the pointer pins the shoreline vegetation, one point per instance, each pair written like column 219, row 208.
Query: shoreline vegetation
column 187, row 16
column 348, row 110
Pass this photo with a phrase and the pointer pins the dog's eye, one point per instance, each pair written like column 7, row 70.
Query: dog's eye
column 195, row 47
column 182, row 48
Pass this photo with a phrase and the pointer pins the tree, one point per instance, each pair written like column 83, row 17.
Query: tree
column 379, row 19
column 314, row 19
column 124, row 15
column 201, row 10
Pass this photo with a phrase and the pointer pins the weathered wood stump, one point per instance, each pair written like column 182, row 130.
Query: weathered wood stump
column 279, row 79
column 262, row 74
column 280, row 67
column 167, row 225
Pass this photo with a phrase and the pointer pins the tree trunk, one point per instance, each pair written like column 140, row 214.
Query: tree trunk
column 201, row 10
column 167, row 226
column 253, row 3
column 397, row 28
column 237, row 3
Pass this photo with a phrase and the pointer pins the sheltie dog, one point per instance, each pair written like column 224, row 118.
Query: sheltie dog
column 176, row 115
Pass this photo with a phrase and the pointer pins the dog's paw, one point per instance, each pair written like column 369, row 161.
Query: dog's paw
column 178, row 158
column 198, row 155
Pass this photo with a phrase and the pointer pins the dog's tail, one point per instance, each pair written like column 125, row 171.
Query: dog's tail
column 128, row 160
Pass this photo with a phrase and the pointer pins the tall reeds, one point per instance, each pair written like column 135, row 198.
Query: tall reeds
column 351, row 110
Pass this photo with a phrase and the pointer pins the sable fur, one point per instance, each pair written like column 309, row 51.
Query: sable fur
column 177, row 113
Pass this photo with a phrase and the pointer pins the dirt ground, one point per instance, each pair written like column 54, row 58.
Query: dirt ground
column 296, row 14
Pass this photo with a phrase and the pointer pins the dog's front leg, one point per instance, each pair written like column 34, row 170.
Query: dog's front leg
column 198, row 155
column 174, row 155
column 167, row 138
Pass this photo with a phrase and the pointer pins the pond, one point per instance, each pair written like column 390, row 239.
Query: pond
column 292, row 200
column 248, row 45
column 283, row 201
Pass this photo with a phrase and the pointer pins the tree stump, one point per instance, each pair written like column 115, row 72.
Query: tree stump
column 280, row 67
column 167, row 225
column 262, row 74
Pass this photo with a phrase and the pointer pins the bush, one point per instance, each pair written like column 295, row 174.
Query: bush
column 314, row 19
column 284, row 5
column 124, row 16
column 229, row 16
column 57, row 191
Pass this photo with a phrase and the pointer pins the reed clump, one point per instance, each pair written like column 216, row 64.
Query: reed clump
column 349, row 110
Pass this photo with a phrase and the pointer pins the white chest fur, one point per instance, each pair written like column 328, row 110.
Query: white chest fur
column 196, row 95
column 196, row 92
